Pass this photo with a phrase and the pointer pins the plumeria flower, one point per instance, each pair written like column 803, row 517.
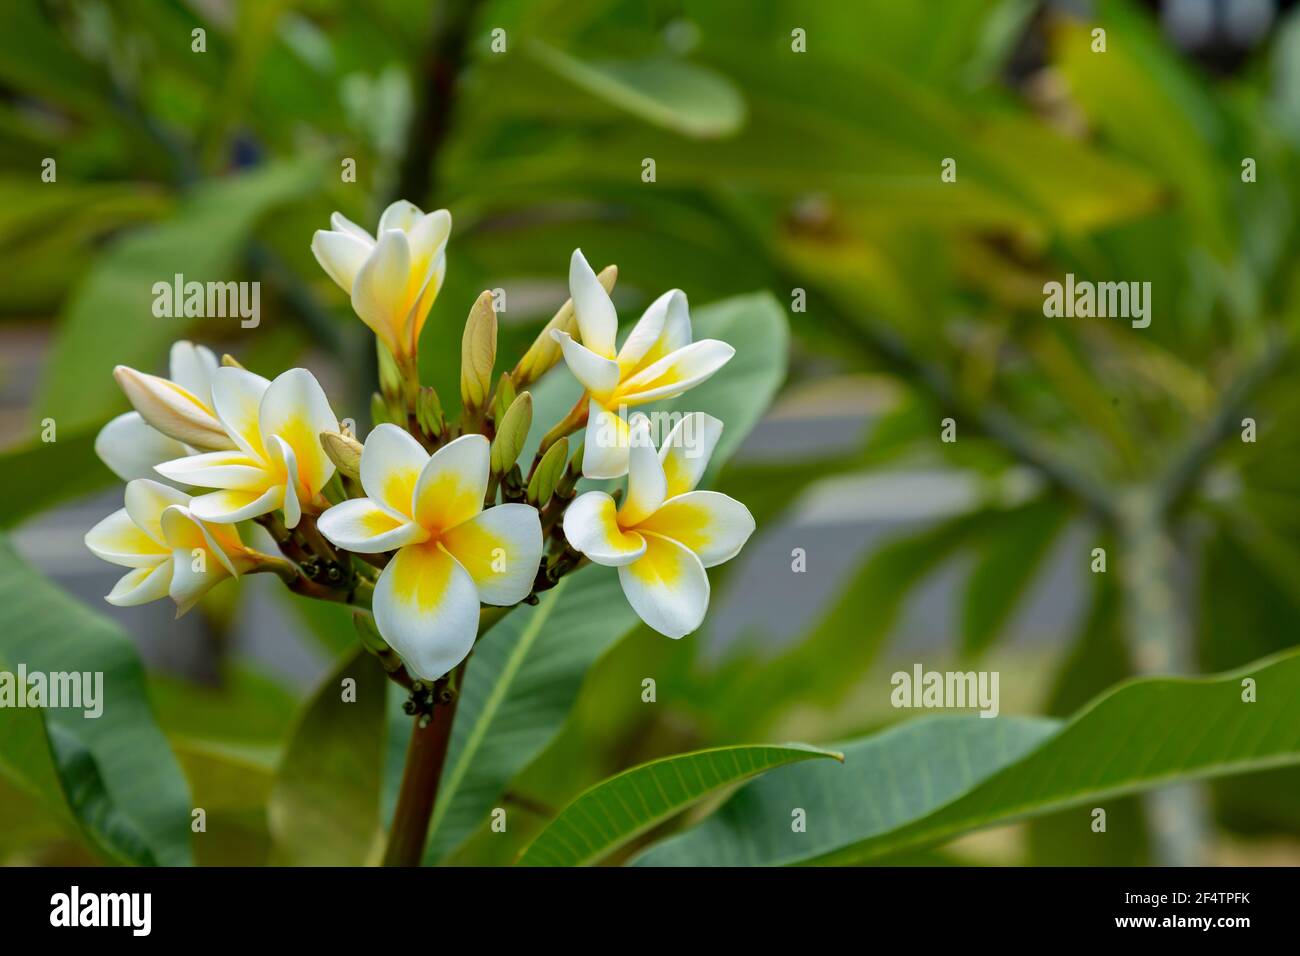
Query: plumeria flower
column 170, row 552
column 658, row 360
column 172, row 417
column 665, row 533
column 394, row 276
column 451, row 553
column 279, row 462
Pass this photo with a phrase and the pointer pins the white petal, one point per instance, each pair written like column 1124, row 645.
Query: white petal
column 674, row 374
column 598, row 375
column 295, row 409
column 182, row 530
column 713, row 525
column 217, row 469
column 667, row 587
column 686, row 451
column 341, row 255
column 198, row 564
column 284, row 462
column 426, row 607
column 142, row 585
column 131, row 447
column 453, row 483
column 145, row 502
column 342, row 223
column 501, row 549
column 379, row 291
column 605, row 447
column 402, row 215
column 191, row 367
column 597, row 320
column 391, row 462
column 646, row 486
column 117, row 539
column 362, row 526
column 591, row 528
column 664, row 327
column 237, row 400
column 227, row 507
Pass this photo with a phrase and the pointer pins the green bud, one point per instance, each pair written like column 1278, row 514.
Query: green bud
column 504, row 398
column 229, row 361
column 378, row 409
column 512, row 432
column 569, row 480
column 547, row 474
column 344, row 451
column 478, row 353
column 428, row 411
column 390, row 377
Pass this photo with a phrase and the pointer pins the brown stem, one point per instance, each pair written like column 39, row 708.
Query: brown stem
column 425, row 757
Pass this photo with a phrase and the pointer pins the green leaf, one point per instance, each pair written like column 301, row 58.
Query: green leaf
column 1140, row 735
column 679, row 96
column 324, row 808
column 109, row 319
column 42, row 474
column 621, row 808
column 116, row 772
column 519, row 686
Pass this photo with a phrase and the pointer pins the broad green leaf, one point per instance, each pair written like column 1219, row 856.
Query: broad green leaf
column 519, row 686
column 324, row 808
column 1143, row 734
column 233, row 791
column 116, row 771
column 109, row 319
column 617, row 810
column 42, row 474
column 679, row 96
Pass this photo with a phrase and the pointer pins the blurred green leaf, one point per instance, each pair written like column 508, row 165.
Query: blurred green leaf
column 42, row 474
column 324, row 808
column 116, row 771
column 619, row 809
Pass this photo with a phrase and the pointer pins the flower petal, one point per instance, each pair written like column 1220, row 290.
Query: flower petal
column 237, row 400
column 713, row 525
column 142, row 585
column 145, row 502
column 131, row 447
column 667, row 587
column 598, row 375
column 117, row 539
column 198, row 563
column 605, row 447
column 501, row 549
column 229, row 506
column 664, row 327
column 646, row 486
column 401, row 215
column 191, row 367
column 342, row 223
column 379, row 290
column 295, row 409
column 591, row 528
column 674, row 374
column 391, row 462
column 362, row 526
column 217, row 469
column 597, row 320
column 686, row 451
column 341, row 255
column 285, row 464
column 426, row 607
column 453, row 483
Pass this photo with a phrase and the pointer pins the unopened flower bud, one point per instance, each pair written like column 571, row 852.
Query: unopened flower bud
column 478, row 353
column 344, row 451
column 173, row 410
column 428, row 412
column 512, row 432
column 547, row 474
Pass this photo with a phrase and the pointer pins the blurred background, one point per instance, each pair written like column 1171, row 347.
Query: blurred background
column 798, row 149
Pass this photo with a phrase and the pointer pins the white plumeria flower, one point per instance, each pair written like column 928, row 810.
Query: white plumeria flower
column 392, row 277
column 665, row 533
column 658, row 360
column 171, row 553
column 279, row 462
column 451, row 553
column 172, row 417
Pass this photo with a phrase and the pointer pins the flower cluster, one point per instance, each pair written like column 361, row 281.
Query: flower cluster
column 429, row 521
